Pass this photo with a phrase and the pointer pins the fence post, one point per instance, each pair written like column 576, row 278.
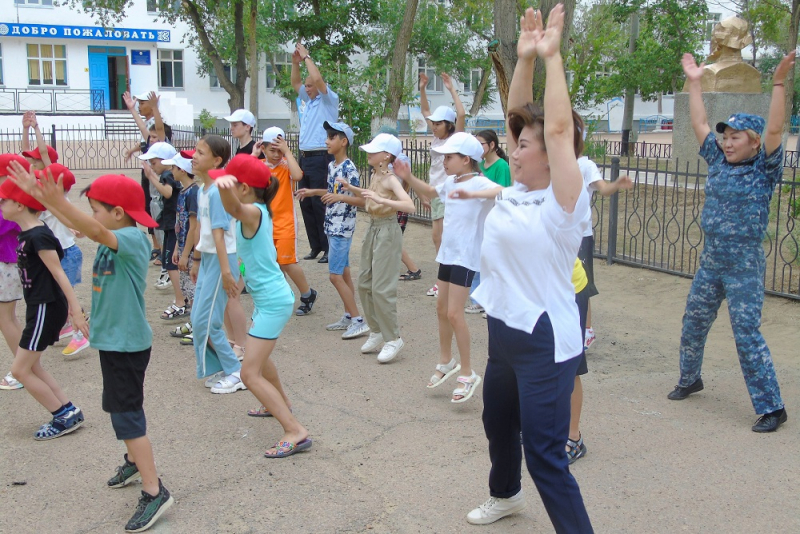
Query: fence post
column 53, row 136
column 613, row 209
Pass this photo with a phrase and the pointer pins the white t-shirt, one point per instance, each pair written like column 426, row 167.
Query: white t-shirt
column 64, row 235
column 591, row 174
column 437, row 174
column 462, row 233
column 211, row 215
column 529, row 248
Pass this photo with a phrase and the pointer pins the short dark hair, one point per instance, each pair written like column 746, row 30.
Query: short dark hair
column 340, row 135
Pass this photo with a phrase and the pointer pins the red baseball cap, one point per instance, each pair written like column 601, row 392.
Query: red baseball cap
column 57, row 169
column 247, row 169
column 187, row 153
column 119, row 190
column 35, row 154
column 12, row 191
column 6, row 159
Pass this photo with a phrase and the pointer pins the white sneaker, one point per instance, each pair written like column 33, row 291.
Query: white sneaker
column 390, row 350
column 373, row 342
column 229, row 384
column 473, row 308
column 213, row 379
column 496, row 508
column 163, row 281
column 356, row 329
column 434, row 291
column 341, row 324
column 588, row 339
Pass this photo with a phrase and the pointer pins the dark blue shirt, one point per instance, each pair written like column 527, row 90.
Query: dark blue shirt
column 738, row 194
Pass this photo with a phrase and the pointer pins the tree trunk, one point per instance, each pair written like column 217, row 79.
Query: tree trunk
column 538, row 73
column 253, row 59
column 235, row 91
column 630, row 93
column 398, row 72
column 794, row 27
column 504, row 57
column 241, row 55
column 476, row 102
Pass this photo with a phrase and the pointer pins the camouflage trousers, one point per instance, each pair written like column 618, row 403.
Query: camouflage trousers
column 738, row 276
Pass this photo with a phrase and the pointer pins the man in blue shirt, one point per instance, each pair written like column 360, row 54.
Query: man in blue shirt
column 322, row 104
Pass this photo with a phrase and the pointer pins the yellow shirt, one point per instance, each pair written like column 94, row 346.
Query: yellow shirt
column 579, row 279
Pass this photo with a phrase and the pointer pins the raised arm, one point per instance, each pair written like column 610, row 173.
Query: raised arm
column 565, row 175
column 423, row 95
column 297, row 81
column 697, row 110
column 161, row 132
column 248, row 214
column 314, row 75
column 40, row 144
column 26, row 126
column 777, row 106
column 424, row 189
column 130, row 103
column 520, row 92
column 461, row 113
column 164, row 189
column 295, row 172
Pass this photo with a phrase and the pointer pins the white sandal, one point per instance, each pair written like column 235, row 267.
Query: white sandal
column 447, row 371
column 10, row 383
column 466, row 391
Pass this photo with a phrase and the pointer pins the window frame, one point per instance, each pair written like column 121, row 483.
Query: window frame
column 468, row 88
column 712, row 19
column 53, row 59
column 433, row 78
column 34, row 3
column 173, row 7
column 271, row 80
column 172, row 61
column 212, row 76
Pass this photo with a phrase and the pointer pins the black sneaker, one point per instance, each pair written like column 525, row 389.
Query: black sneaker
column 324, row 258
column 680, row 393
column 126, row 473
column 312, row 255
column 769, row 422
column 306, row 304
column 149, row 509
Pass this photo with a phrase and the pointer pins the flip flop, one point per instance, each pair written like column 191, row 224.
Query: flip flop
column 261, row 411
column 284, row 448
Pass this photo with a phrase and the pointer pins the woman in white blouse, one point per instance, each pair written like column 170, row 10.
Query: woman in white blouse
column 531, row 240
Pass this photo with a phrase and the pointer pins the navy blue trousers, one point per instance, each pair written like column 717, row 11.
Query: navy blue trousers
column 315, row 176
column 525, row 390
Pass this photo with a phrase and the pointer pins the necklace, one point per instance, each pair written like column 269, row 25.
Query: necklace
column 460, row 176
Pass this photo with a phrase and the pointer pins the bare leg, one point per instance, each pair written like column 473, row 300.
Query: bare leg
column 445, row 329
column 346, row 291
column 39, row 383
column 457, row 297
column 575, row 411
column 437, row 228
column 174, row 277
column 236, row 321
column 408, row 262
column 9, row 325
column 296, row 274
column 140, row 452
column 270, row 372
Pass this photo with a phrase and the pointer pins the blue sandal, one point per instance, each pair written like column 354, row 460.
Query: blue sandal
column 576, row 450
column 59, row 426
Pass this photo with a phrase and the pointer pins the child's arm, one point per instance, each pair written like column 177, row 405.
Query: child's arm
column 127, row 153
column 131, row 105
column 332, row 198
column 303, row 193
column 777, row 106
column 403, row 202
column 424, row 108
column 461, row 113
column 424, row 189
column 26, row 125
column 295, row 171
column 53, row 264
column 40, row 144
column 463, row 194
column 161, row 132
column 607, row 189
column 51, row 194
column 228, row 282
column 165, row 190
column 183, row 262
column 697, row 110
column 248, row 214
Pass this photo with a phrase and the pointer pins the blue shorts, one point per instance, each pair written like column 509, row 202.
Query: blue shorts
column 268, row 321
column 338, row 253
column 72, row 263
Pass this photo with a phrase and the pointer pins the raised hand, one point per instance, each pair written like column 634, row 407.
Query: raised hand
column 784, row 67
column 130, row 103
column 153, row 98
column 25, row 180
column 530, row 33
column 448, row 82
column 423, row 81
column 692, row 71
column 302, row 50
column 257, row 148
column 50, row 189
column 281, row 144
column 227, row 181
column 550, row 43
column 402, row 168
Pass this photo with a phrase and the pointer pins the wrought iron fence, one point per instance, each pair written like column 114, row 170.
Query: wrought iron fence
column 640, row 149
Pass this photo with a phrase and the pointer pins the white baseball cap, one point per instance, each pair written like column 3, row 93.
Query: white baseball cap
column 462, row 143
column 442, row 113
column 243, row 116
column 180, row 162
column 272, row 133
column 384, row 143
column 159, row 150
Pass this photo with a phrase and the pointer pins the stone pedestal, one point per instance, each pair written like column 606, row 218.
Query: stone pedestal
column 719, row 106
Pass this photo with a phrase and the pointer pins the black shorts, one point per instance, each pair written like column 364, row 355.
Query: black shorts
column 586, row 255
column 456, row 275
column 43, row 324
column 582, row 300
column 123, row 380
column 167, row 248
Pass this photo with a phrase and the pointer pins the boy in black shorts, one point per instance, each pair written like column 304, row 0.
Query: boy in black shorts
column 119, row 279
column 49, row 299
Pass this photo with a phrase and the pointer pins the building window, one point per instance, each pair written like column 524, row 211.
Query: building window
column 711, row 20
column 605, row 71
column 434, row 82
column 475, row 76
column 170, row 69
column 230, row 72
column 283, row 63
column 38, row 3
column 47, row 64
column 154, row 6
column 1, row 66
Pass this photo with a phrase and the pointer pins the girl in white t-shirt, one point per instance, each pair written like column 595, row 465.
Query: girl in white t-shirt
column 443, row 122
column 459, row 253
column 215, row 272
